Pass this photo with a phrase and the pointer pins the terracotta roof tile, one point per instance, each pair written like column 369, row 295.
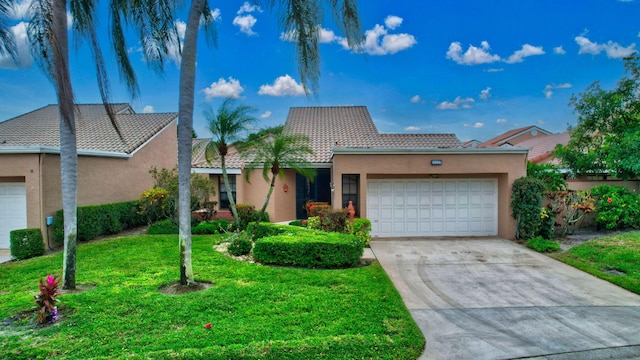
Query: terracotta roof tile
column 93, row 128
column 542, row 147
column 503, row 138
column 199, row 160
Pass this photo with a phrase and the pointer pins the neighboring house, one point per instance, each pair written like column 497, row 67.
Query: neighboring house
column 406, row 184
column 515, row 137
column 110, row 169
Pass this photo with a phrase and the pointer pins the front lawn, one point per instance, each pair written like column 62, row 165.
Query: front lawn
column 612, row 258
column 256, row 312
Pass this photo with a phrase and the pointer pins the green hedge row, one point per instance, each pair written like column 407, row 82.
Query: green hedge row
column 26, row 243
column 313, row 250
column 210, row 227
column 97, row 220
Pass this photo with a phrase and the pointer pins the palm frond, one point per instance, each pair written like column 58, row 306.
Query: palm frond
column 7, row 41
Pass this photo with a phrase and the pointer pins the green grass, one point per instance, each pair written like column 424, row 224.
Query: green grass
column 257, row 312
column 600, row 256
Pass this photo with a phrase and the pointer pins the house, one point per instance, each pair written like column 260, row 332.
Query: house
column 515, row 137
column 406, row 184
column 542, row 147
column 110, row 169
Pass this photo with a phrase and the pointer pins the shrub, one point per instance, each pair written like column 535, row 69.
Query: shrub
column 26, row 243
column 240, row 245
column 154, row 205
column 166, row 226
column 247, row 213
column 314, row 250
column 526, row 203
column 329, row 220
column 542, row 245
column 547, row 228
column 219, row 226
column 299, row 223
column 97, row 220
column 46, row 309
column 360, row 228
column 616, row 207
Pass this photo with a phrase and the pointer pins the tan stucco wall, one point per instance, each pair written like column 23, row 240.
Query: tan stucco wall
column 281, row 206
column 25, row 168
column 504, row 167
column 588, row 185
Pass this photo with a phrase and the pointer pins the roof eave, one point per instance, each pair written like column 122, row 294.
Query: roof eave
column 429, row 151
column 56, row 150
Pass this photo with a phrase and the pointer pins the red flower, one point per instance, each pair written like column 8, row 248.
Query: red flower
column 207, row 326
column 609, row 200
column 304, row 222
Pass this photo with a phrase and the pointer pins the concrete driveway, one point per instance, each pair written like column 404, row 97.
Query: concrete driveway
column 495, row 299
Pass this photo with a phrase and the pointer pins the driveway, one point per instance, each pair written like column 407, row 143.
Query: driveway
column 495, row 299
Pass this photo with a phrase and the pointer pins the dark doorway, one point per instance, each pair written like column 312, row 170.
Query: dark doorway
column 318, row 190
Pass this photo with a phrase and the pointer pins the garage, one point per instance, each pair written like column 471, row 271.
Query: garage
column 432, row 207
column 13, row 210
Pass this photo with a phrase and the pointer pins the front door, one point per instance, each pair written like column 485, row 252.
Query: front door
column 318, row 190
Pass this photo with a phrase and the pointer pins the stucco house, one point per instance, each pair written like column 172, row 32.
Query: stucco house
column 516, row 136
column 110, row 169
column 406, row 184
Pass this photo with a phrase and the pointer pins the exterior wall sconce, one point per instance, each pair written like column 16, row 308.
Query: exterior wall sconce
column 332, row 186
column 436, row 162
column 285, row 188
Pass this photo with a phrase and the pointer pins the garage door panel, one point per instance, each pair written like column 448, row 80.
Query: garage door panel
column 13, row 210
column 433, row 207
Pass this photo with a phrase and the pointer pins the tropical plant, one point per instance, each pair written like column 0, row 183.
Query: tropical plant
column 276, row 153
column 299, row 17
column 7, row 42
column 226, row 127
column 49, row 38
column 46, row 299
column 549, row 174
column 526, row 205
column 607, row 136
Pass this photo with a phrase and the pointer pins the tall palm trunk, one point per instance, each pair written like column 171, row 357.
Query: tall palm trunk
column 185, row 128
column 232, row 201
column 272, row 185
column 68, row 147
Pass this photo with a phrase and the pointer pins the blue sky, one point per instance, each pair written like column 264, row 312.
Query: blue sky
column 474, row 68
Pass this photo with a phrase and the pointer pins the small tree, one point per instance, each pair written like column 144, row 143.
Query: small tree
column 607, row 136
column 549, row 174
column 526, row 205
column 275, row 153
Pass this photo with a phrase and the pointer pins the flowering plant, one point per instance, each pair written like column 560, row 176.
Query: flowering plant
column 47, row 311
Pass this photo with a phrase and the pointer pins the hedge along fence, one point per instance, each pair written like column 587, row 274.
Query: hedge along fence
column 26, row 243
column 313, row 250
column 97, row 220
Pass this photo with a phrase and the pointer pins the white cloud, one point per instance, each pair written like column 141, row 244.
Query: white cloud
column 612, row 49
column 392, row 21
column 526, row 51
column 501, row 121
column 494, row 70
column 148, row 109
column 248, row 8
column 223, row 89
column 245, row 23
column 265, row 115
column 485, row 94
column 282, row 86
column 22, row 43
column 540, row 122
column 216, row 14
column 412, row 128
column 473, row 55
column 477, row 125
column 459, row 102
column 325, row 36
column 548, row 90
column 244, row 20
column 558, row 50
column 416, row 99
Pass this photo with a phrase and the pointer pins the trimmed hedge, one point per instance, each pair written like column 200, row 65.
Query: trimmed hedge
column 97, row 220
column 26, row 243
column 163, row 227
column 247, row 214
column 313, row 250
column 269, row 229
column 212, row 227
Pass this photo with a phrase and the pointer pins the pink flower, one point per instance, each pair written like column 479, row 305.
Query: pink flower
column 609, row 200
column 304, row 222
column 207, row 326
column 51, row 280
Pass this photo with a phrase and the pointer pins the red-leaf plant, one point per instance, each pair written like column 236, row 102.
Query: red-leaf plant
column 47, row 311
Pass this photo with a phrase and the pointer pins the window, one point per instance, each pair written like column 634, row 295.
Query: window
column 350, row 185
column 224, row 198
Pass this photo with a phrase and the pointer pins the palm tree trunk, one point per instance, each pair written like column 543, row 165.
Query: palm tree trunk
column 232, row 201
column 68, row 147
column 185, row 129
column 266, row 201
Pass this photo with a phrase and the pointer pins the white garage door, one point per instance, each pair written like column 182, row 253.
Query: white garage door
column 13, row 210
column 433, row 207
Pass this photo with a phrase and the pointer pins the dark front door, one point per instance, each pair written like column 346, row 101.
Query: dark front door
column 318, row 190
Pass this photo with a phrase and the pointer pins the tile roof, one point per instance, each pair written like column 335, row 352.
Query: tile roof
column 542, row 147
column 503, row 138
column 352, row 127
column 199, row 160
column 94, row 130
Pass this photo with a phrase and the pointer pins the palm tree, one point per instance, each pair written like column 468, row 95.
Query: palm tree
column 49, row 39
column 226, row 126
column 7, row 43
column 301, row 17
column 275, row 153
